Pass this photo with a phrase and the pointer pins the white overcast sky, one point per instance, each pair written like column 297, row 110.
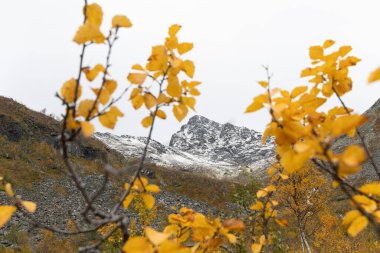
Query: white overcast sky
column 232, row 40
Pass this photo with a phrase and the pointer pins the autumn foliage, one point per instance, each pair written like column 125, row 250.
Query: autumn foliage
column 304, row 134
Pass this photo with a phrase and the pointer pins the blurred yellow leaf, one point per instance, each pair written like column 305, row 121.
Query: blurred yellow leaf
column 103, row 94
column 350, row 216
column 68, row 90
column 263, row 84
column 121, row 21
column 9, row 190
column 110, row 86
column 256, row 248
column 94, row 14
column 261, row 193
column 282, row 222
column 85, row 106
column 180, row 111
column 87, row 128
column 89, row 32
column 234, row 225
column 137, row 78
column 357, row 226
column 156, row 237
column 371, row 188
column 148, row 200
column 174, row 89
column 374, row 76
column 147, row 121
column 298, row 91
column 328, row 43
column 173, row 30
column 6, row 213
column 29, row 206
column 149, row 100
column 137, row 101
column 189, row 101
column 137, row 245
column 188, row 68
column 161, row 114
column 109, row 119
column 316, row 52
column 184, row 47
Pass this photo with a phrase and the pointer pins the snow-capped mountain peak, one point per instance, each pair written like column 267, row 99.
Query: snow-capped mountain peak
column 201, row 145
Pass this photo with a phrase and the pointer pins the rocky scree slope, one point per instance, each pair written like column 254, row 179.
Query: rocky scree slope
column 30, row 159
column 371, row 133
column 201, row 146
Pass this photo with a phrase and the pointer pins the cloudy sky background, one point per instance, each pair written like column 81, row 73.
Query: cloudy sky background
column 232, row 40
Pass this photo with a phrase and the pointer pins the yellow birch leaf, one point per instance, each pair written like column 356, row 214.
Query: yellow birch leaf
column 173, row 247
column 281, row 222
column 371, row 188
column 156, row 237
column 6, row 213
column 261, row 193
column 68, row 90
column 137, row 78
column 357, row 226
column 174, row 89
column 147, row 121
column 257, row 206
column 91, row 74
column 109, row 119
column 316, row 52
column 234, row 225
column 374, row 76
column 189, row 101
column 188, row 68
column 87, row 128
column 350, row 216
column 127, row 201
column 110, row 86
column 184, row 47
column 173, row 30
column 104, row 95
column 161, row 114
column 162, row 98
column 137, row 101
column 254, row 106
column 180, row 111
column 328, row 43
column 29, row 206
column 149, row 100
column 9, row 190
column 344, row 50
column 195, row 92
column 263, row 84
column 231, row 238
column 94, row 14
column 256, row 248
column 89, row 32
column 121, row 21
column 137, row 245
column 152, row 188
column 85, row 107
column 138, row 67
column 135, row 92
column 298, row 91
column 191, row 84
column 148, row 200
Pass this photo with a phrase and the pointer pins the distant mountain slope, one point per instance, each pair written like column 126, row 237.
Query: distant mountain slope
column 221, row 142
column 371, row 132
column 202, row 145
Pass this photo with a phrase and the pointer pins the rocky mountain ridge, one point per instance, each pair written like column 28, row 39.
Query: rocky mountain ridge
column 201, row 145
